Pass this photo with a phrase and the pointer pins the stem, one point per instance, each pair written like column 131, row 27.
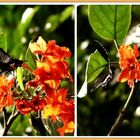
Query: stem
column 39, row 114
column 9, row 123
column 14, row 110
column 122, row 114
column 114, row 62
column 116, row 45
column 4, row 117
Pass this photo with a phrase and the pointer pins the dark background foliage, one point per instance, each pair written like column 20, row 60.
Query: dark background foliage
column 98, row 110
column 60, row 27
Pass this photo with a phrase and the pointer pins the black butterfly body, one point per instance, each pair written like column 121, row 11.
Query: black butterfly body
column 7, row 63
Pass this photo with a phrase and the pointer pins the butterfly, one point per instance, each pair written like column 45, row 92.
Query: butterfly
column 106, row 75
column 7, row 63
column 103, row 78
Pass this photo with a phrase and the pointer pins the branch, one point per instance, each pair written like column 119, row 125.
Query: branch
column 4, row 117
column 122, row 114
column 9, row 123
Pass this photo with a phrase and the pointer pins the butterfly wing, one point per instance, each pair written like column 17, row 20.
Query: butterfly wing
column 5, row 60
column 4, row 57
column 7, row 63
column 101, row 49
column 103, row 79
column 106, row 74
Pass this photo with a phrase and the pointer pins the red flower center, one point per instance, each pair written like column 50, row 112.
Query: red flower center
column 132, row 66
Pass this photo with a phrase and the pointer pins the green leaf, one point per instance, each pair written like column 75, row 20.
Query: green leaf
column 66, row 13
column 95, row 65
column 19, row 126
column 3, row 41
column 24, row 24
column 21, row 30
column 20, row 77
column 54, row 21
column 30, row 58
column 111, row 22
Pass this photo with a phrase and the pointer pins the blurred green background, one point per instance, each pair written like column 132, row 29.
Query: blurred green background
column 23, row 23
column 98, row 111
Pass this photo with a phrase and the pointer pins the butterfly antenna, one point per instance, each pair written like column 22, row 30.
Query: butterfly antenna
column 24, row 65
column 101, row 49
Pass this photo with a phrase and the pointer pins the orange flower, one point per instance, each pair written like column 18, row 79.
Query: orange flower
column 129, row 64
column 37, row 103
column 58, row 52
column 67, row 109
column 23, row 106
column 59, row 106
column 41, row 47
column 43, row 78
column 51, row 70
column 67, row 116
column 55, row 101
column 52, row 67
column 52, row 73
column 6, row 95
column 67, row 128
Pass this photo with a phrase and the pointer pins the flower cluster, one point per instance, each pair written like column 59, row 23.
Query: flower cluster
column 51, row 65
column 44, row 91
column 57, row 105
column 51, row 69
column 6, row 94
column 128, row 60
column 25, row 107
